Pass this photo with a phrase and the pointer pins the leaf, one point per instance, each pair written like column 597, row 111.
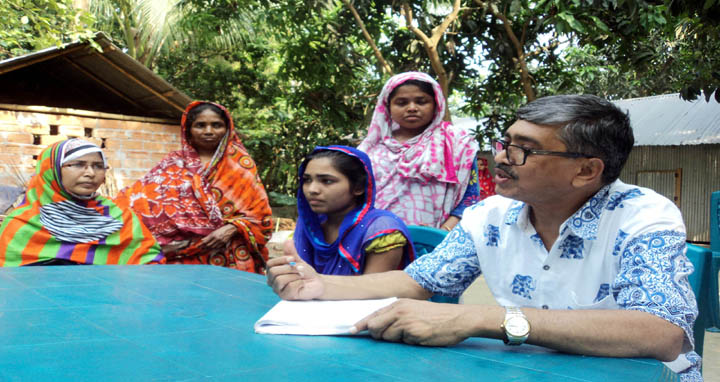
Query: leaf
column 572, row 21
column 600, row 24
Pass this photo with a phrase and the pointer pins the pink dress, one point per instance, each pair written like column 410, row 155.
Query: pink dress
column 422, row 179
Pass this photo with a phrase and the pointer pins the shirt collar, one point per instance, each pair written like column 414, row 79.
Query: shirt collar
column 583, row 223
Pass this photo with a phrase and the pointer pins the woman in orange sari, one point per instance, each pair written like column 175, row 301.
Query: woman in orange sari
column 205, row 203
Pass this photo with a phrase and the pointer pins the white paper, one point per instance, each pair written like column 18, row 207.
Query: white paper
column 317, row 317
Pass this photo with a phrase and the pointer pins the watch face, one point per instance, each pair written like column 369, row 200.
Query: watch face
column 517, row 326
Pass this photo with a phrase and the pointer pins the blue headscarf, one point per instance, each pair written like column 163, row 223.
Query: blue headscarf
column 346, row 256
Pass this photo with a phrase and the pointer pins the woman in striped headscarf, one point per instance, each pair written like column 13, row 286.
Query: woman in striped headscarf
column 63, row 220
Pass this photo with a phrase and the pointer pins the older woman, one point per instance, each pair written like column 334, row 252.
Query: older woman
column 64, row 221
column 205, row 203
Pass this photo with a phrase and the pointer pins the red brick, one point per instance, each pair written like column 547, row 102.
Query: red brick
column 167, row 129
column 90, row 122
column 133, row 145
column 110, row 124
column 23, row 149
column 110, row 133
column 73, row 130
column 158, row 147
column 137, row 125
column 115, row 163
column 11, row 126
column 35, row 123
column 22, row 160
column 17, row 137
column 136, row 164
column 46, row 140
column 136, row 154
column 8, row 115
column 140, row 135
column 114, row 143
column 62, row 119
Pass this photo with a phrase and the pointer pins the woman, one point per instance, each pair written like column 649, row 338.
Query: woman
column 64, row 221
column 485, row 178
column 205, row 203
column 422, row 164
column 339, row 232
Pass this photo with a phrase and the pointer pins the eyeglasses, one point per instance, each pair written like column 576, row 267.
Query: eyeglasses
column 82, row 166
column 516, row 155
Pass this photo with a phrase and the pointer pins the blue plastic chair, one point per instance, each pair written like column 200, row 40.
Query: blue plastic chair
column 714, row 292
column 700, row 281
column 425, row 239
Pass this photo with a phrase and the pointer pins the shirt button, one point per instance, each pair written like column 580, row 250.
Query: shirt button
column 545, row 307
column 546, row 267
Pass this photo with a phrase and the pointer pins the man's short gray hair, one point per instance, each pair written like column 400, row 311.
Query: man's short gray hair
column 588, row 124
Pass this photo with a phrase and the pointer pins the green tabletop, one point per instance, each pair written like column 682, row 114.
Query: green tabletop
column 195, row 323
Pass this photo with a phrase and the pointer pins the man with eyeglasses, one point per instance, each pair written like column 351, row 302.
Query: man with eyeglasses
column 577, row 260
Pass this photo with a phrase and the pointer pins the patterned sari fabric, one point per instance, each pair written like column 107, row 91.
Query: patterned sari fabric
column 359, row 228
column 181, row 201
column 51, row 224
column 423, row 179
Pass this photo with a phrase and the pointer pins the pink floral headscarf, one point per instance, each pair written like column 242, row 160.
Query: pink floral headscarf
column 436, row 163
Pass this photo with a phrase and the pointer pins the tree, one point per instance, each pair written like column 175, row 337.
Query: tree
column 29, row 25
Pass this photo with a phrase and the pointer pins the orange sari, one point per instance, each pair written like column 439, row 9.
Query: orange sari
column 182, row 200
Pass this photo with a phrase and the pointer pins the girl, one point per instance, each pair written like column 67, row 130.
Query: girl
column 63, row 220
column 339, row 231
column 423, row 164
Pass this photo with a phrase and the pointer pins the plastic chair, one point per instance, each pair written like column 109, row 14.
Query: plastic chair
column 701, row 258
column 425, row 239
column 714, row 292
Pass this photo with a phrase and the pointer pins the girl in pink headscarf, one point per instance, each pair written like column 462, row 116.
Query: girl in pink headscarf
column 423, row 165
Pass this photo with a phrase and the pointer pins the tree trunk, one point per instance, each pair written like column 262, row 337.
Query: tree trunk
column 430, row 44
column 520, row 60
column 386, row 67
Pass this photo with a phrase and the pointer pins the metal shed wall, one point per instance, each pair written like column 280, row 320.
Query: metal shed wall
column 700, row 166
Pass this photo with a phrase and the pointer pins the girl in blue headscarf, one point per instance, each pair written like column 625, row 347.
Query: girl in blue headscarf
column 339, row 232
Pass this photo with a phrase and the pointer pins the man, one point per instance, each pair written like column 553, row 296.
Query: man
column 577, row 260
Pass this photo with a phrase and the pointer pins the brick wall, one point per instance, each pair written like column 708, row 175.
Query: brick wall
column 132, row 147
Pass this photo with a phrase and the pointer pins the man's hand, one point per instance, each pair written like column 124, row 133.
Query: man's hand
column 417, row 322
column 219, row 238
column 293, row 282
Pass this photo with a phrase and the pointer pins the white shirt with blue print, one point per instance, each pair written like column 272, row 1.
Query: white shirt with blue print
column 624, row 249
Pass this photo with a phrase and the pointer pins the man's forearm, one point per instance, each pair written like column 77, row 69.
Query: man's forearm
column 612, row 333
column 375, row 285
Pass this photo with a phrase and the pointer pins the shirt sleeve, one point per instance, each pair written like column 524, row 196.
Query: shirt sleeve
column 386, row 242
column 653, row 278
column 450, row 268
column 472, row 192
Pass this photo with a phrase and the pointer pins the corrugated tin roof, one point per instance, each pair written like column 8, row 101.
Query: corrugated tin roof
column 668, row 120
column 78, row 76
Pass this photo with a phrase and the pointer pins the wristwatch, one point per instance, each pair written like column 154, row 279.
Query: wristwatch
column 516, row 326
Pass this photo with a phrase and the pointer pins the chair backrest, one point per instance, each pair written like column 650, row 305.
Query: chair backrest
column 425, row 239
column 701, row 258
column 714, row 291
column 714, row 221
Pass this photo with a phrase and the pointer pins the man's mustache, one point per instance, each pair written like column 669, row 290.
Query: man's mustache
column 507, row 169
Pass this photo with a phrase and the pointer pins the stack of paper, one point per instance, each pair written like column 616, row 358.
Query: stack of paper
column 317, row 317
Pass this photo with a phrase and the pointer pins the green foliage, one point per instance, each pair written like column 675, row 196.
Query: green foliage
column 296, row 74
column 29, row 25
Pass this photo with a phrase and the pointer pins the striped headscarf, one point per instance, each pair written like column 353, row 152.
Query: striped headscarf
column 52, row 223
